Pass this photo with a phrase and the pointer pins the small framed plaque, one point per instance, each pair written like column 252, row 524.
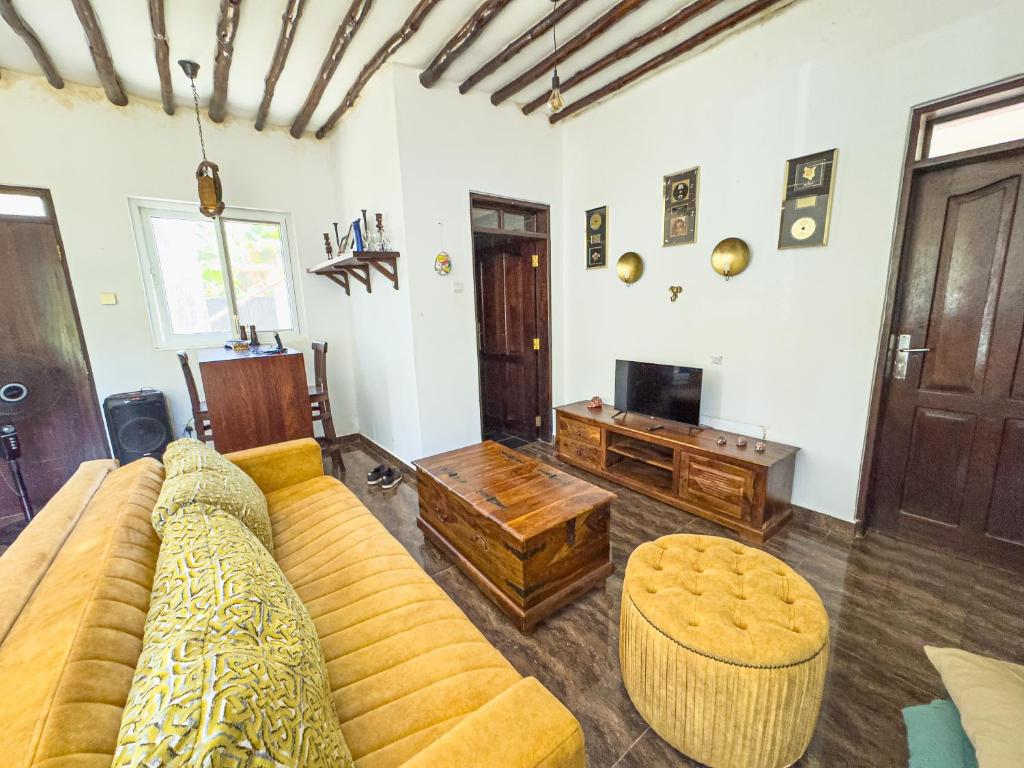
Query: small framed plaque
column 679, row 190
column 807, row 200
column 597, row 237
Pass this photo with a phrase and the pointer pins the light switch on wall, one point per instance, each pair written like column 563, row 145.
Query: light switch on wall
column 458, row 287
column 716, row 359
column 108, row 299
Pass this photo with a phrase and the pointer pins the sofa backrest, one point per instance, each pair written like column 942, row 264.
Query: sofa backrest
column 26, row 561
column 67, row 661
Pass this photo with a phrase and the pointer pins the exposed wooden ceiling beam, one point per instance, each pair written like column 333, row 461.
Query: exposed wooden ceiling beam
column 385, row 52
column 289, row 23
column 357, row 12
column 517, row 45
column 24, row 31
column 227, row 29
column 673, row 22
column 595, row 29
column 100, row 53
column 163, row 53
column 704, row 36
column 462, row 40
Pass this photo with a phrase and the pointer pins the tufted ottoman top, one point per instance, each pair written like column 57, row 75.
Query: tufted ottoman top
column 727, row 601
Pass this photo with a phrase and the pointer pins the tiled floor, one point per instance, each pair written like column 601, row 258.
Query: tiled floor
column 886, row 599
column 509, row 441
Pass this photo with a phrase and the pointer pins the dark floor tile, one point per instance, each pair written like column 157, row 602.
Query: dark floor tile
column 650, row 750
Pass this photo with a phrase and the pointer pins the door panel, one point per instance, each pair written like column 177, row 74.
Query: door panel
column 507, row 313
column 970, row 269
column 58, row 420
column 1006, row 513
column 940, row 449
column 949, row 461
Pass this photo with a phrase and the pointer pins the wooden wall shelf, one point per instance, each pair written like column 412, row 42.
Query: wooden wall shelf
column 357, row 266
column 738, row 487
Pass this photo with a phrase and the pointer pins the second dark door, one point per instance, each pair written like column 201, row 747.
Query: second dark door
column 949, row 468
column 46, row 388
column 509, row 334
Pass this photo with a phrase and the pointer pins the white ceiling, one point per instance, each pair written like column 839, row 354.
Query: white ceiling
column 191, row 29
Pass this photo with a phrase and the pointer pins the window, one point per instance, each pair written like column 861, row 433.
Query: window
column 20, row 204
column 204, row 276
column 978, row 128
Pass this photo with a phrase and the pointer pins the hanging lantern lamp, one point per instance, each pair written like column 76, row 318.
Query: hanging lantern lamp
column 211, row 195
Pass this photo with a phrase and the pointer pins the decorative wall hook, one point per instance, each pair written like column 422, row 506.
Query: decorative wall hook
column 675, row 290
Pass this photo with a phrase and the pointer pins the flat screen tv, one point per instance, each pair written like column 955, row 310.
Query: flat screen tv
column 661, row 391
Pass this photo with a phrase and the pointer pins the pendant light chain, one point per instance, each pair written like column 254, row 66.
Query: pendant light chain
column 554, row 36
column 199, row 123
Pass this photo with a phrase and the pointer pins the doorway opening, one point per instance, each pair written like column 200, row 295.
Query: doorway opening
column 945, row 440
column 511, row 275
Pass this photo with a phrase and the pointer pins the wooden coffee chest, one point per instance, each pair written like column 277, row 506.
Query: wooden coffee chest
column 531, row 537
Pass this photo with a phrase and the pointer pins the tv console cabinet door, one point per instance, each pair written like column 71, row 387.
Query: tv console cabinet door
column 726, row 489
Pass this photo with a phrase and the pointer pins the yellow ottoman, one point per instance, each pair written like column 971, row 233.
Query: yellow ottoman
column 723, row 650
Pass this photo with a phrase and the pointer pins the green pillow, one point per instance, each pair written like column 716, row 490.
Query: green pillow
column 935, row 737
column 196, row 474
column 231, row 671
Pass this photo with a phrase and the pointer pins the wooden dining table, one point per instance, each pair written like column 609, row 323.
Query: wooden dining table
column 255, row 399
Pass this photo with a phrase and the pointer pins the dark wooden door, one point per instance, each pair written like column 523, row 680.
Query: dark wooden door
column 950, row 464
column 46, row 387
column 506, row 290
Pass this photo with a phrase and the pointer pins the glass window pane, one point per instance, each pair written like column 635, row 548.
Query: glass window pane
column 485, row 217
column 520, row 222
column 259, row 274
column 974, row 131
column 22, row 205
column 191, row 273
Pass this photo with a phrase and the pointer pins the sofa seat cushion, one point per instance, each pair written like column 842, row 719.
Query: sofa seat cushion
column 231, row 671
column 405, row 664
column 66, row 665
column 197, row 474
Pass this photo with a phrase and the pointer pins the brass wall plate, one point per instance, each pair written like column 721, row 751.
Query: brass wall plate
column 730, row 257
column 630, row 267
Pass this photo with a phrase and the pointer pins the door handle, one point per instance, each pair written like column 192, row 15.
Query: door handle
column 903, row 353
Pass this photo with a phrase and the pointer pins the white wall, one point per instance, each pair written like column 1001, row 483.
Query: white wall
column 451, row 145
column 365, row 164
column 798, row 330
column 93, row 156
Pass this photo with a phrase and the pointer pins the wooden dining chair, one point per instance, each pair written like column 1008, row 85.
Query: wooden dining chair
column 320, row 403
column 200, row 413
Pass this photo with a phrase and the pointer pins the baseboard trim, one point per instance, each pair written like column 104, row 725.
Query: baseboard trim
column 357, row 440
column 847, row 529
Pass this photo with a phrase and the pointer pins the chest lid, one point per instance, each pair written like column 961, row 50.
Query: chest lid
column 520, row 495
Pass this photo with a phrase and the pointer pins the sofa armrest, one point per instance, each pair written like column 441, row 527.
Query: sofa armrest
column 523, row 727
column 280, row 465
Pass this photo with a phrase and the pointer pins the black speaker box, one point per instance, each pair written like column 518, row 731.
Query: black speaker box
column 138, row 423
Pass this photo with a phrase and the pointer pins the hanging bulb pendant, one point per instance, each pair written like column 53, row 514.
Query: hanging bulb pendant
column 555, row 102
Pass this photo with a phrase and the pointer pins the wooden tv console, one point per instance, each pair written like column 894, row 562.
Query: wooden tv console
column 738, row 487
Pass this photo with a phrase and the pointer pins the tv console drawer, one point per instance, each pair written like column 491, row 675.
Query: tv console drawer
column 724, row 488
column 584, row 454
column 571, row 429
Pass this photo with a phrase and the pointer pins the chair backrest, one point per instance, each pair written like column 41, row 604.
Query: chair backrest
column 320, row 365
column 190, row 382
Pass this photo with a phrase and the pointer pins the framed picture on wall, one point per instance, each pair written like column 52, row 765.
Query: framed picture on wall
column 679, row 190
column 597, row 237
column 807, row 200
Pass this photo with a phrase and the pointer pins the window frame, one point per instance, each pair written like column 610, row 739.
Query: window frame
column 144, row 209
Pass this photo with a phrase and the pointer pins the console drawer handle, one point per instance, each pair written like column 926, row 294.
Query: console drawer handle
column 482, row 542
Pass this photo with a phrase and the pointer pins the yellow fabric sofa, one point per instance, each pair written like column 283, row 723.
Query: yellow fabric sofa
column 415, row 684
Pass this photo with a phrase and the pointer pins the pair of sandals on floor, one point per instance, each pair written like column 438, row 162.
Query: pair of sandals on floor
column 384, row 476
